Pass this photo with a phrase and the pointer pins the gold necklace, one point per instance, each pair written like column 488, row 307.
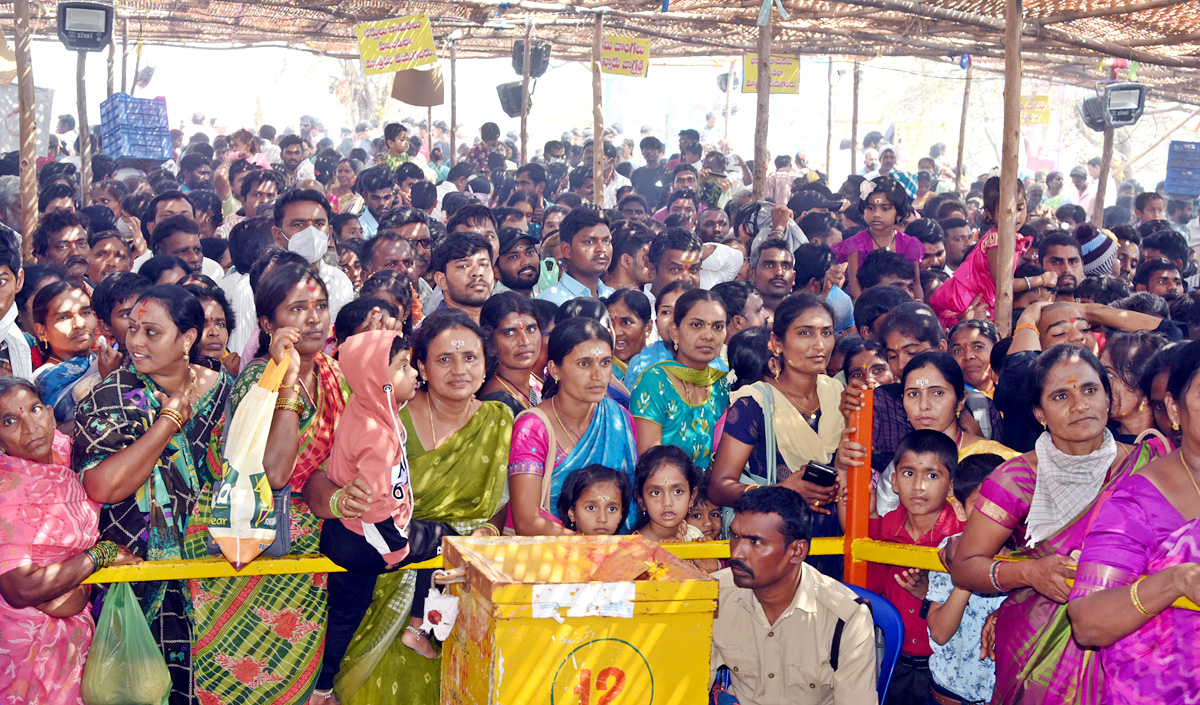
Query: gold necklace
column 554, row 407
column 311, row 399
column 808, row 415
column 1189, row 471
column 521, row 398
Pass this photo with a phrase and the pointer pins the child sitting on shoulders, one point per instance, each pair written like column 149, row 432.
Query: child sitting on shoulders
column 961, row 674
column 665, row 482
column 925, row 463
column 595, row 500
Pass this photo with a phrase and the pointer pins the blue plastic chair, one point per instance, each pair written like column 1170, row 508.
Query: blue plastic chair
column 890, row 628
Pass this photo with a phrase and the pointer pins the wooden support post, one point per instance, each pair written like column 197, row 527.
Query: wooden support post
column 124, row 56
column 858, row 502
column 453, row 107
column 597, row 115
column 1097, row 213
column 729, row 103
column 962, row 131
column 137, row 65
column 85, row 132
column 1007, row 217
column 525, row 91
column 762, row 113
column 854, row 123
column 112, row 58
column 25, row 99
column 829, row 117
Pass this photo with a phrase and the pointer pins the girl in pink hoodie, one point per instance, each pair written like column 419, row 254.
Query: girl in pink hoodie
column 368, row 445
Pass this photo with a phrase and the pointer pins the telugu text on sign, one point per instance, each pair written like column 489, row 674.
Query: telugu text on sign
column 625, row 56
column 391, row 45
column 785, row 73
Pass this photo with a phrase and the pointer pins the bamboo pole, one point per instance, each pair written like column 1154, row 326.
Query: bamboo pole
column 137, row 66
column 728, row 102
column 763, row 110
column 829, row 120
column 1097, row 213
column 85, row 132
column 124, row 56
column 1007, row 220
column 597, row 115
column 429, row 135
column 453, row 106
column 25, row 99
column 525, row 91
column 112, row 57
column 962, row 131
column 854, row 122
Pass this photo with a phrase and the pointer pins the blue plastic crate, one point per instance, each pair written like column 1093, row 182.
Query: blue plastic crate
column 1183, row 182
column 123, row 110
column 137, row 143
column 1184, row 155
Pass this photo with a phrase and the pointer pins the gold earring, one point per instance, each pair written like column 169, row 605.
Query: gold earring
column 1174, row 425
column 1142, row 406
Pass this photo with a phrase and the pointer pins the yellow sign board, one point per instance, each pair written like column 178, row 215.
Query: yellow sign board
column 625, row 56
column 391, row 45
column 785, row 73
column 1035, row 110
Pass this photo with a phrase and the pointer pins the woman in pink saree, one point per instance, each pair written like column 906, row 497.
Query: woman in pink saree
column 1150, row 527
column 48, row 532
column 1045, row 500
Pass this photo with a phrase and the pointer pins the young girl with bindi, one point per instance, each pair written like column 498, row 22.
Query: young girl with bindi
column 665, row 485
column 885, row 206
column 595, row 500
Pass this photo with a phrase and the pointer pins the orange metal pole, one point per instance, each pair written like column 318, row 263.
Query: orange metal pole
column 858, row 505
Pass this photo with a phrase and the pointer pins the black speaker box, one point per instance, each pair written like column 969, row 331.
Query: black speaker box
column 510, row 98
column 539, row 57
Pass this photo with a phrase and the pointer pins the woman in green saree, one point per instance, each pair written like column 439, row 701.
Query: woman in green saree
column 258, row 640
column 458, row 454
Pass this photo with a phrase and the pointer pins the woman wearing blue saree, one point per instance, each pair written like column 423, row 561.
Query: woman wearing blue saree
column 576, row 425
column 66, row 326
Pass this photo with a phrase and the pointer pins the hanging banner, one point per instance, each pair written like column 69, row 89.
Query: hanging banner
column 391, row 45
column 1035, row 110
column 785, row 73
column 625, row 56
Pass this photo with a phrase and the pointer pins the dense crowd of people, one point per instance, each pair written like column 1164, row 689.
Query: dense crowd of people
column 476, row 348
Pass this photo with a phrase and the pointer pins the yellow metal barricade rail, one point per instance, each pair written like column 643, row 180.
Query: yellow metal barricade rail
column 871, row 551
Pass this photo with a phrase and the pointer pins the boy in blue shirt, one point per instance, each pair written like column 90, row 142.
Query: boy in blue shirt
column 961, row 673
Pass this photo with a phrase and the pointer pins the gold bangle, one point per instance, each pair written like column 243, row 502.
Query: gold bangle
column 290, row 405
column 751, row 486
column 1133, row 593
column 1030, row 326
column 493, row 530
column 173, row 415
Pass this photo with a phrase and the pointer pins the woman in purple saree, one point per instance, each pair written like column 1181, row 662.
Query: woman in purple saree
column 1150, row 527
column 1045, row 500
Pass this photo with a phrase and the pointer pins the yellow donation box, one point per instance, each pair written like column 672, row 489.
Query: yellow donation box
column 579, row 620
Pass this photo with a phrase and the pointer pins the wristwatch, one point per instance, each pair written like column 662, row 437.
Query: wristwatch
column 924, row 613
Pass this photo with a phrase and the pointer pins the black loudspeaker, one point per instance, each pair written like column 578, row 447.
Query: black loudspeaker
column 723, row 82
column 539, row 57
column 510, row 98
column 1092, row 113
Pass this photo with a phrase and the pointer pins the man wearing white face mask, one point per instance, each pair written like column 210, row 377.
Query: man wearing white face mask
column 302, row 226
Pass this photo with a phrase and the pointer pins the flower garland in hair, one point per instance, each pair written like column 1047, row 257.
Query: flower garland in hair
column 867, row 188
